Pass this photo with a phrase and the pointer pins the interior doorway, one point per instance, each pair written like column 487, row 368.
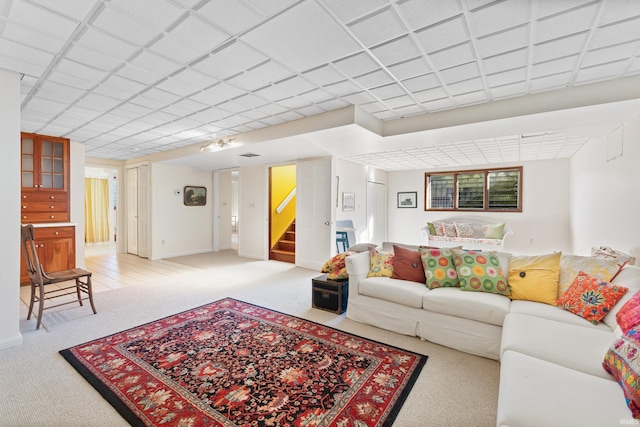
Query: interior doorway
column 282, row 213
column 376, row 212
column 101, row 216
column 137, row 210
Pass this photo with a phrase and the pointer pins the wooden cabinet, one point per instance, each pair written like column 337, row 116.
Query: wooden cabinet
column 44, row 179
column 56, row 247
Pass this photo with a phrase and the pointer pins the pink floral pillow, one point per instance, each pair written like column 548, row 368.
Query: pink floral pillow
column 590, row 297
column 629, row 314
column 449, row 230
column 439, row 228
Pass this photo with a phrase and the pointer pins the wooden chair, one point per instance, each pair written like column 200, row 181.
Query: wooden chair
column 40, row 280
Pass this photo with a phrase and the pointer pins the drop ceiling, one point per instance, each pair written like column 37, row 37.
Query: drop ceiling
column 136, row 78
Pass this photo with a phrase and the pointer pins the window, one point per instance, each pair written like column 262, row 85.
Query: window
column 474, row 190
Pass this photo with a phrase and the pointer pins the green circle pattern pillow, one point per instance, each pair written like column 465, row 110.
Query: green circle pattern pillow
column 438, row 268
column 480, row 272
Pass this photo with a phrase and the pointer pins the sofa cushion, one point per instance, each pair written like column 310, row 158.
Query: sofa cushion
column 480, row 306
column 438, row 267
column 407, row 265
column 535, row 392
column 571, row 265
column 398, row 291
column 590, row 297
column 480, row 271
column 621, row 361
column 534, row 278
column 562, row 343
column 381, row 264
column 554, row 313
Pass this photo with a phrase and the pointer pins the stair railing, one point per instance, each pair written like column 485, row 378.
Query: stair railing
column 286, row 201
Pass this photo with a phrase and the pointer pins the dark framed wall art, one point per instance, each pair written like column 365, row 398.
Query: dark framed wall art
column 195, row 196
column 408, row 199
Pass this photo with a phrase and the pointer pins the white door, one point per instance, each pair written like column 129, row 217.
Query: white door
column 315, row 214
column 376, row 212
column 224, row 214
column 143, row 211
column 132, row 211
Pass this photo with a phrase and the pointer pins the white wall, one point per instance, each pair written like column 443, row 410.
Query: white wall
column 604, row 195
column 542, row 226
column 253, row 212
column 177, row 229
column 353, row 179
column 10, row 253
column 76, row 197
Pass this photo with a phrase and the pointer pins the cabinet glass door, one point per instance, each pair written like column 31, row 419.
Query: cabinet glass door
column 27, row 163
column 52, row 171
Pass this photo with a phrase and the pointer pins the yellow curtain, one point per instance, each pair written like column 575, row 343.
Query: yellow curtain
column 96, row 210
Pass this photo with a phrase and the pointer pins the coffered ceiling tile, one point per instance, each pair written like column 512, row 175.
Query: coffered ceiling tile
column 342, row 88
column 310, row 110
column 439, row 104
column 420, row 83
column 295, row 85
column 470, row 98
column 123, row 27
column 193, row 78
column 600, row 72
column 556, row 66
column 250, row 100
column 421, row 13
column 357, row 64
column 398, row 102
column 559, row 48
column 155, row 63
column 460, row 72
column 373, row 79
column 174, row 49
column 431, row 94
column 273, row 93
column 505, row 61
column 287, row 37
column 519, row 88
column 269, row 8
column 553, row 81
column 176, row 87
column 210, row 115
column 33, row 38
column 323, row 76
column 269, row 72
column 139, row 74
column 98, row 40
column 199, row 35
column 93, row 58
column 24, row 53
column 619, row 11
column 20, row 66
column 388, row 91
column 158, row 14
column 160, row 95
column 294, row 103
column 616, row 33
column 333, row 104
column 218, row 93
column 511, row 13
column 350, row 10
column 41, row 19
column 504, row 41
column 81, row 71
column 507, row 77
column 316, row 96
column 95, row 101
column 359, row 98
column 471, row 85
column 443, row 35
column 395, row 51
column 610, row 54
column 453, row 56
column 59, row 92
column 75, row 9
column 232, row 15
column 231, row 60
column 410, row 68
column 46, row 106
column 575, row 21
column 247, row 81
column 378, row 27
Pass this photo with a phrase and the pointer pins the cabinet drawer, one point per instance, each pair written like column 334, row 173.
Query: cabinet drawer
column 52, row 206
column 41, row 196
column 36, row 217
column 53, row 232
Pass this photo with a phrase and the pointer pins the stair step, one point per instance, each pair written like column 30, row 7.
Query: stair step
column 290, row 235
column 282, row 255
column 286, row 245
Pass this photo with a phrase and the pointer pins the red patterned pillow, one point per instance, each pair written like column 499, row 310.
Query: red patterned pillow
column 335, row 263
column 629, row 314
column 590, row 297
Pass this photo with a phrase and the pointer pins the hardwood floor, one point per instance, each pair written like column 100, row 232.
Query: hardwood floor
column 112, row 271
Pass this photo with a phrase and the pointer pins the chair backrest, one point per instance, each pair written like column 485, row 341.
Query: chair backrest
column 30, row 254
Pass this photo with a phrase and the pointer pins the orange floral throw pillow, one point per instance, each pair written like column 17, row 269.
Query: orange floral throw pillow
column 336, row 267
column 381, row 264
column 629, row 314
column 590, row 297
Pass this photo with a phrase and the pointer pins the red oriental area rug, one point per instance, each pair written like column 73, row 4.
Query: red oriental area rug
column 230, row 363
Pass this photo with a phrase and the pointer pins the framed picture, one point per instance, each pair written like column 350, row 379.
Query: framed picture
column 408, row 199
column 348, row 201
column 194, row 196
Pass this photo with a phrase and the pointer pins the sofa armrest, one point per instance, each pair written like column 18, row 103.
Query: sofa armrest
column 358, row 268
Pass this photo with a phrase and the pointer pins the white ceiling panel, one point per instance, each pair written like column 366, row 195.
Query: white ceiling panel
column 136, row 78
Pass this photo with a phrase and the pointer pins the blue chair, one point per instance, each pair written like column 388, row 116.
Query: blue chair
column 342, row 239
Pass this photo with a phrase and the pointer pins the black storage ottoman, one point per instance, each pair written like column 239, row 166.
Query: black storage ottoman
column 330, row 295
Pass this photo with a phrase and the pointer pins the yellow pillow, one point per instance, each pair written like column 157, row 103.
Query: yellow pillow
column 535, row 278
column 381, row 264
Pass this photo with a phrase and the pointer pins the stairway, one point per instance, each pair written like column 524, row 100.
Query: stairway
column 285, row 248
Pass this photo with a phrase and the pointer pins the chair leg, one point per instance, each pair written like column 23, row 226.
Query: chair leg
column 78, row 287
column 90, row 291
column 32, row 300
column 40, row 305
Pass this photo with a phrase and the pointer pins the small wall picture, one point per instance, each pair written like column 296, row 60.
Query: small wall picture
column 348, row 201
column 408, row 199
column 195, row 196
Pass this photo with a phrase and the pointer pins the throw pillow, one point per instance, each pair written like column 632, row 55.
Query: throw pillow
column 439, row 228
column 571, row 265
column 622, row 362
column 464, row 229
column 590, row 297
column 493, row 231
column 439, row 270
column 334, row 263
column 381, row 264
column 362, row 247
column 534, row 278
column 407, row 265
column 610, row 253
column 449, row 229
column 432, row 229
column 629, row 314
column 480, row 271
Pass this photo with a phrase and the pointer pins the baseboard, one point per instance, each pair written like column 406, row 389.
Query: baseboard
column 12, row 342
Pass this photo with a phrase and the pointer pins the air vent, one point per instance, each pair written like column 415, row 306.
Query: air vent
column 249, row 155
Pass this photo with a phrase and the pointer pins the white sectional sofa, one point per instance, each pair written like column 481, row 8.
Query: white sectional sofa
column 551, row 359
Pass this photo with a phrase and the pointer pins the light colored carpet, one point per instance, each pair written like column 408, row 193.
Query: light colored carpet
column 39, row 388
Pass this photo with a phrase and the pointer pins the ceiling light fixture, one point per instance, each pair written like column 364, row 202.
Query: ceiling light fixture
column 216, row 144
